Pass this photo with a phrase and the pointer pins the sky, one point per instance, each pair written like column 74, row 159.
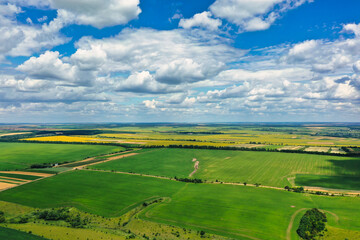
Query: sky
column 65, row 61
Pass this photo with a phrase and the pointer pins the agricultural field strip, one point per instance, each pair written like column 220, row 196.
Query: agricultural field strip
column 14, row 179
column 28, row 173
column 93, row 158
column 24, row 182
column 107, row 160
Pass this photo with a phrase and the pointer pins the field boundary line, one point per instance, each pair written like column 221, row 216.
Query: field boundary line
column 107, row 160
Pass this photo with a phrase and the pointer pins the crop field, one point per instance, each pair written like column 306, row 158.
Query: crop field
column 243, row 212
column 106, row 194
column 18, row 156
column 266, row 168
column 325, row 181
column 234, row 211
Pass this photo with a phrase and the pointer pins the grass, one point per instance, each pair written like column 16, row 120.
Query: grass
column 229, row 210
column 19, row 156
column 7, row 233
column 335, row 182
column 59, row 233
column 12, row 209
column 266, row 168
column 336, row 234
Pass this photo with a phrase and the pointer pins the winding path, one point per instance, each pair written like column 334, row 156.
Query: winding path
column 288, row 231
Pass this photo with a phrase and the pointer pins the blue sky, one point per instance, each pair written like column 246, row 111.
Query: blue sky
column 179, row 61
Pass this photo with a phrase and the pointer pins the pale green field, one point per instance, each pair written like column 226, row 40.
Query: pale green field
column 266, row 168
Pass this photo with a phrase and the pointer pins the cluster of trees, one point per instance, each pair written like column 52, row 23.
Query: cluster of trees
column 64, row 214
column 41, row 165
column 192, row 180
column 312, row 224
column 295, row 189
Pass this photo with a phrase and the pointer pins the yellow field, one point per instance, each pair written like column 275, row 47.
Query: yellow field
column 61, row 139
column 223, row 138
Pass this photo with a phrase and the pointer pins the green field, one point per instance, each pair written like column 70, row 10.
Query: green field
column 335, row 182
column 18, row 156
column 237, row 211
column 11, row 234
column 228, row 210
column 106, row 194
column 266, row 168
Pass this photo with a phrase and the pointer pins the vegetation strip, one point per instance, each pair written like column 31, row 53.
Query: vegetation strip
column 19, row 176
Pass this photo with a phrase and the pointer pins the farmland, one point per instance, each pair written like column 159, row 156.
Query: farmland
column 77, row 189
column 18, row 156
column 179, row 182
column 190, row 205
column 266, row 168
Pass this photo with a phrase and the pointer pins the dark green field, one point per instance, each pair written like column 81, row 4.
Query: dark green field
column 229, row 210
column 266, row 168
column 11, row 234
column 335, row 182
column 19, row 156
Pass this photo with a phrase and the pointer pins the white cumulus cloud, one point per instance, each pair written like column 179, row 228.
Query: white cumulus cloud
column 203, row 20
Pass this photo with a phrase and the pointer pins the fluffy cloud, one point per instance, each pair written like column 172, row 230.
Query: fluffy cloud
column 23, row 40
column 47, row 66
column 99, row 13
column 253, row 15
column 352, row 27
column 182, row 70
column 143, row 82
column 327, row 56
column 176, row 56
column 203, row 20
